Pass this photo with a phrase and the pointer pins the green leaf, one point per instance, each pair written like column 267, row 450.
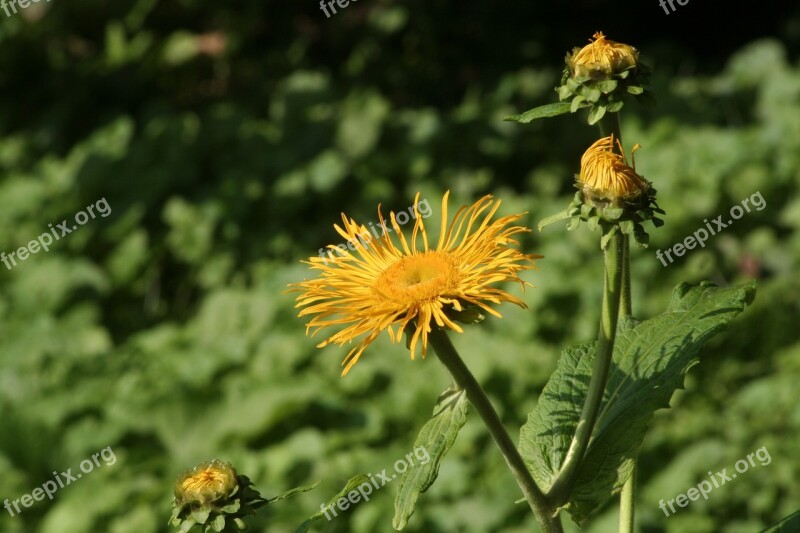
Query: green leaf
column 790, row 524
column 219, row 523
column 607, row 237
column 577, row 103
column 352, row 483
column 635, row 89
column 641, row 236
column 564, row 92
column 201, row 515
column 291, row 492
column 552, row 219
column 592, row 94
column 436, row 437
column 606, row 86
column 545, row 111
column 596, row 114
column 613, row 213
column 649, row 363
column 614, row 107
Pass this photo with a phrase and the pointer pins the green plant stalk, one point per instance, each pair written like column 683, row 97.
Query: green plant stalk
column 625, row 296
column 626, row 503
column 609, row 124
column 565, row 479
column 545, row 513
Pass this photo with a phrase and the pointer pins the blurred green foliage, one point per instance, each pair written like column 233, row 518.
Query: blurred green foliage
column 227, row 138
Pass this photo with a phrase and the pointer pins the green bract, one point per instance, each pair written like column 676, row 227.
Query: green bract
column 625, row 215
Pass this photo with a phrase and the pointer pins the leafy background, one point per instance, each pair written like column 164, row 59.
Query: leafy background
column 228, row 137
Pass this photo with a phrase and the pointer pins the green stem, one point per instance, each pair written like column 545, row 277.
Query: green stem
column 609, row 124
column 626, row 503
column 545, row 514
column 625, row 297
column 565, row 479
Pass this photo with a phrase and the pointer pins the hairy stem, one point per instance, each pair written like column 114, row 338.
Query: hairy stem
column 565, row 479
column 545, row 513
column 609, row 124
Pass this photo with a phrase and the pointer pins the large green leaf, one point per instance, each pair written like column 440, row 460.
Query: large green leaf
column 436, row 437
column 649, row 363
column 789, row 524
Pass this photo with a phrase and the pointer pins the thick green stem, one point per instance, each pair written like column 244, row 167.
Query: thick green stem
column 565, row 479
column 626, row 503
column 545, row 513
column 609, row 124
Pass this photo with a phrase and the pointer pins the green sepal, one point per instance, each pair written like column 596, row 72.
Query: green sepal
column 608, row 86
column 577, row 103
column 614, row 107
column 597, row 112
column 469, row 314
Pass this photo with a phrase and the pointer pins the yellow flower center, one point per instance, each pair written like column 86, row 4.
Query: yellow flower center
column 419, row 278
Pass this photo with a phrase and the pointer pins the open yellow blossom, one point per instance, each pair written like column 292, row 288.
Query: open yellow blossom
column 606, row 173
column 386, row 287
column 206, row 483
column 602, row 57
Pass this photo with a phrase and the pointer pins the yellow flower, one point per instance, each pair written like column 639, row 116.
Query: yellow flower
column 602, row 58
column 206, row 483
column 383, row 287
column 606, row 173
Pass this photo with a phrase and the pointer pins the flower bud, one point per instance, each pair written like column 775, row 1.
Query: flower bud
column 602, row 58
column 211, row 494
column 606, row 176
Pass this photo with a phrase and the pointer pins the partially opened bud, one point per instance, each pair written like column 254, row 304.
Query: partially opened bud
column 214, row 497
column 602, row 58
column 206, row 483
column 606, row 176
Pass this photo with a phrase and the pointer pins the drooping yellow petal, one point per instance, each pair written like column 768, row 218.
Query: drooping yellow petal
column 606, row 173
